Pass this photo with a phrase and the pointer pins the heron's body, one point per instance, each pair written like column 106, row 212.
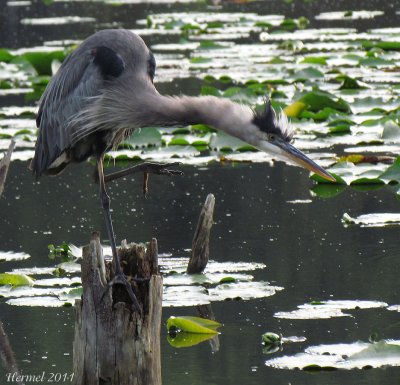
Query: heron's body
column 104, row 90
column 90, row 74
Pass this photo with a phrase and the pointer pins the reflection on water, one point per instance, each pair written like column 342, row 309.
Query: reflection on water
column 263, row 214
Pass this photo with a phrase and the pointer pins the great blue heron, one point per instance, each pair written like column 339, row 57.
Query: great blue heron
column 104, row 90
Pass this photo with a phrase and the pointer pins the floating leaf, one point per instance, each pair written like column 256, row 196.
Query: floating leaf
column 392, row 173
column 328, row 309
column 317, row 100
column 5, row 55
column 192, row 325
column 349, row 83
column 325, row 190
column 295, row 109
column 391, row 131
column 15, row 280
column 223, row 142
column 358, row 355
column 44, row 301
column 372, row 220
column 227, row 280
column 42, row 61
column 315, row 60
column 12, row 256
column 209, row 44
column 307, row 74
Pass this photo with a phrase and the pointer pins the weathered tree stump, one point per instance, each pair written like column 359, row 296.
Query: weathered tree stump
column 201, row 240
column 4, row 165
column 114, row 345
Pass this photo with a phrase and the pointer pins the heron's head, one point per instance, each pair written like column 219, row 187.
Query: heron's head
column 274, row 136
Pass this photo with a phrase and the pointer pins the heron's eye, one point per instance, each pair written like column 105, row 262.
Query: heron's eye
column 271, row 137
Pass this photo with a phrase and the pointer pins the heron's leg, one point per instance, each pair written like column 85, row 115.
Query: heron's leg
column 119, row 277
column 147, row 168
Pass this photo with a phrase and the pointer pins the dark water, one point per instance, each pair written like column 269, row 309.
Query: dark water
column 306, row 248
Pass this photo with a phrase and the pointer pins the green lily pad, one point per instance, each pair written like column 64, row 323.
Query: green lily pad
column 326, row 190
column 15, row 280
column 42, row 61
column 349, row 83
column 392, row 173
column 318, row 100
column 5, row 55
column 195, row 325
column 322, row 60
column 307, row 73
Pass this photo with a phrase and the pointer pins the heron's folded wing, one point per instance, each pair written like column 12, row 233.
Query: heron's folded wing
column 72, row 87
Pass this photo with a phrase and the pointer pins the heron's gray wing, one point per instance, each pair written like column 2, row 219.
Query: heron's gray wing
column 81, row 77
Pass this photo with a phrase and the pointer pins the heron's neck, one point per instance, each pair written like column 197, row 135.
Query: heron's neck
column 219, row 113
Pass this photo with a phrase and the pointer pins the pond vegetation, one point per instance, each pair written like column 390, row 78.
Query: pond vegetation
column 340, row 87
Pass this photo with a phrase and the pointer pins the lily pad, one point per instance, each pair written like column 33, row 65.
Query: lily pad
column 372, row 220
column 15, row 280
column 358, row 355
column 44, row 301
column 318, row 100
column 224, row 142
column 195, row 325
column 328, row 309
column 13, row 256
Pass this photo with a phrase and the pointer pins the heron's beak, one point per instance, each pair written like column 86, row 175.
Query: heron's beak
column 293, row 155
column 286, row 152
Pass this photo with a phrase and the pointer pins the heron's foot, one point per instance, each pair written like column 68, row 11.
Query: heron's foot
column 121, row 280
column 158, row 169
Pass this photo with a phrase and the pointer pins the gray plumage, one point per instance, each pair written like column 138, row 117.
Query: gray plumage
column 104, row 90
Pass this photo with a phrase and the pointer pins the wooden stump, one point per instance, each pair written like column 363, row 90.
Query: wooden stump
column 114, row 345
column 4, row 165
column 201, row 239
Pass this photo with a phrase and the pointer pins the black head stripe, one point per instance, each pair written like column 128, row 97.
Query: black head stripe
column 267, row 121
column 109, row 62
column 151, row 66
